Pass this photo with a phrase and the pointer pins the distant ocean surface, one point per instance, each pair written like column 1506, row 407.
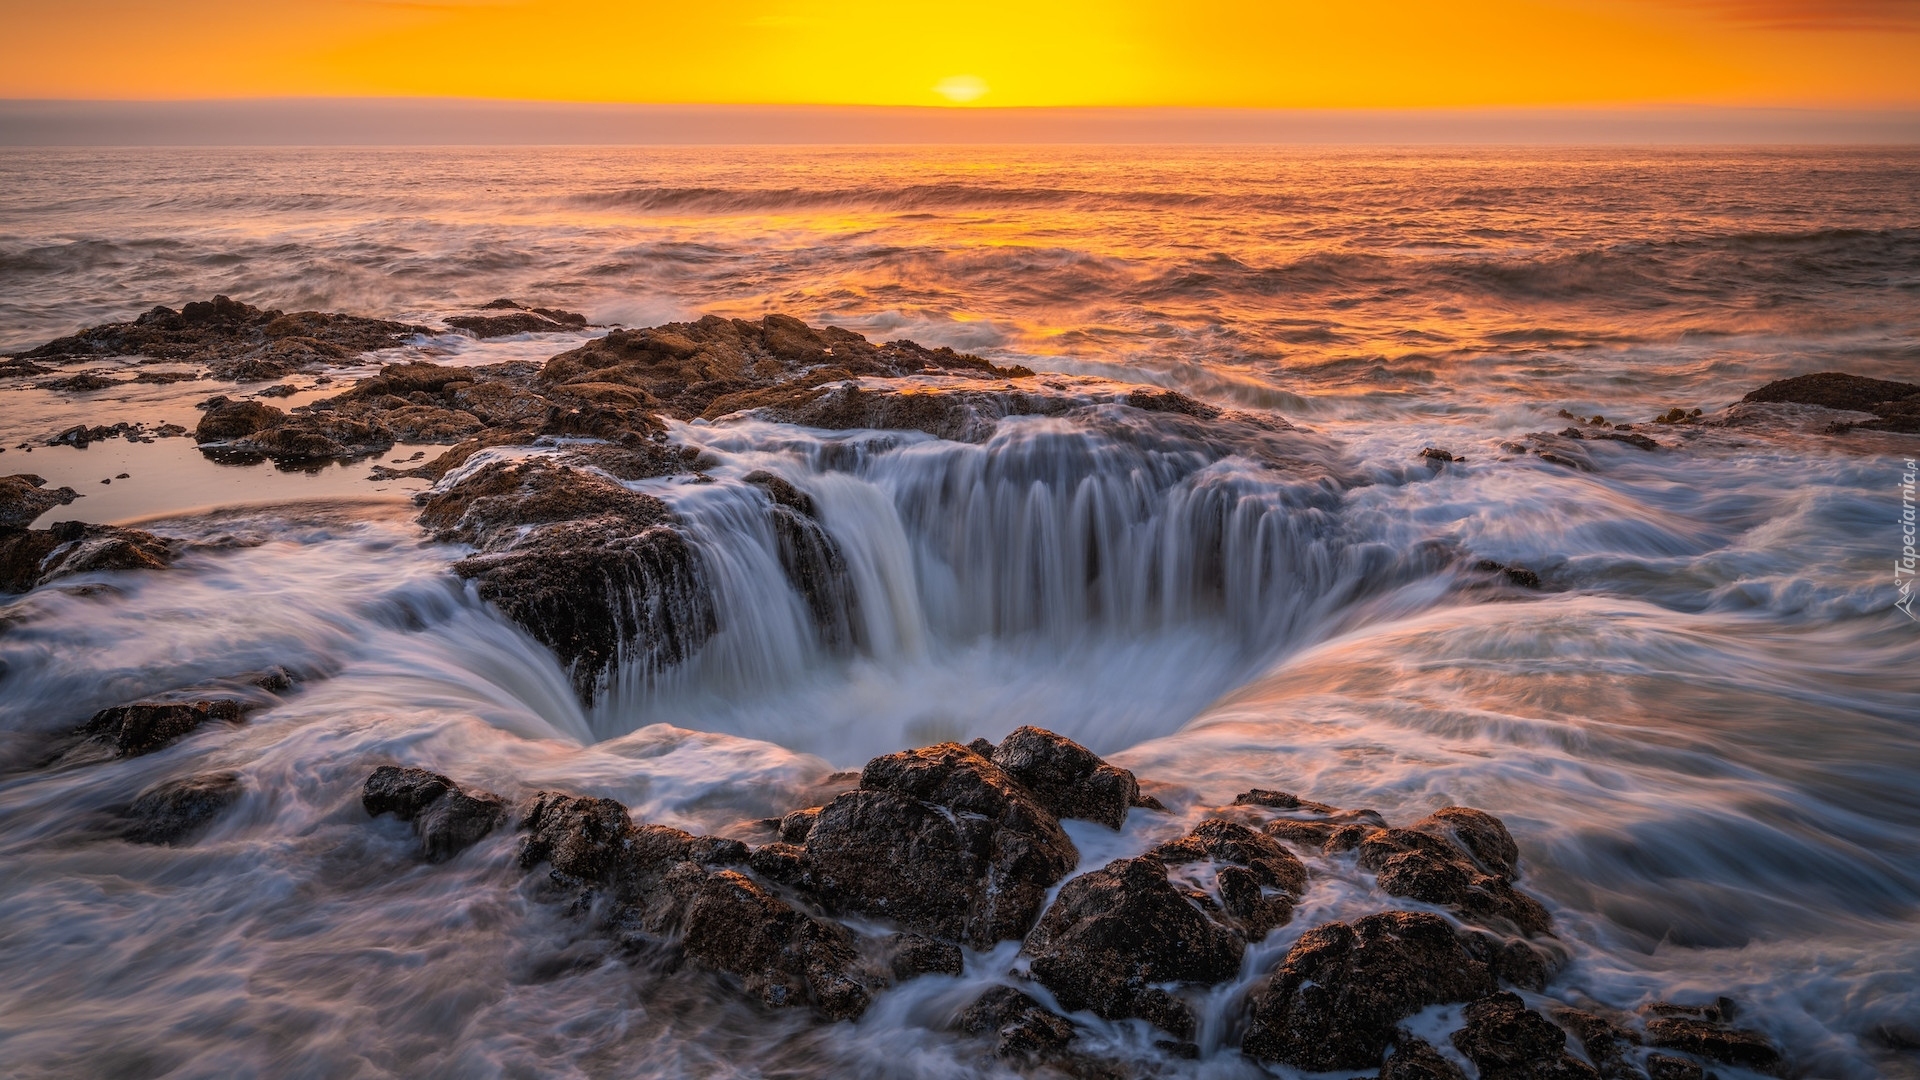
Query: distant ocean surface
column 1704, row 732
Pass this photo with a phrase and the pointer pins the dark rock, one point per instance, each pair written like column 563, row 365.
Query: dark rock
column 1668, row 1067
column 1479, row 834
column 1434, row 453
column 942, row 841
column 1518, row 575
column 795, row 826
column 813, row 562
column 145, row 726
column 520, row 322
column 912, row 955
column 1336, row 998
column 1514, row 960
column 781, row 862
column 1416, row 1059
column 1280, row 800
column 226, row 420
column 24, row 497
column 1067, row 778
column 446, row 818
column 1506, row 1040
column 234, row 338
column 590, row 841
column 1716, row 1041
column 1023, row 1026
column 1607, row 1044
column 1432, row 863
column 174, row 811
column 1115, row 932
column 1248, row 863
column 1834, row 390
column 1168, row 401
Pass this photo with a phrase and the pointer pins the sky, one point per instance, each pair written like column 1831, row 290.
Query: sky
column 1261, row 54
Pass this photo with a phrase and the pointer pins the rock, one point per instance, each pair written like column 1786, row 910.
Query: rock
column 145, row 726
column 1334, row 1001
column 781, row 862
column 1637, row 441
column 812, row 560
column 1435, row 454
column 1481, row 835
column 520, row 322
column 1247, row 865
column 1895, row 405
column 1280, row 800
column 1067, row 778
column 1115, row 932
column 1668, row 1067
column 1023, row 1027
column 315, row 437
column 1518, row 575
column 1717, row 1041
column 589, row 841
column 1506, row 1040
column 1432, row 863
column 172, row 812
column 231, row 337
column 912, row 955
column 226, row 420
column 32, row 557
column 1416, row 1059
column 446, row 818
column 1607, row 1044
column 795, row 826
column 24, row 497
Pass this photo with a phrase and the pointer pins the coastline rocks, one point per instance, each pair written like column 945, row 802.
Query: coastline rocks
column 447, row 818
column 226, row 419
column 1706, row 1031
column 24, row 497
column 1336, row 998
column 32, row 557
column 1416, row 1059
column 1023, row 1028
column 174, row 811
column 1895, row 405
column 1459, row 858
column 1067, row 778
column 941, row 841
column 142, row 727
column 1116, row 932
column 1257, row 879
column 1505, row 1040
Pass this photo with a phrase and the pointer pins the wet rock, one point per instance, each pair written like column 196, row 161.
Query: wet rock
column 589, row 842
column 1169, row 401
column 1608, row 1045
column 1640, row 442
column 1506, row 1040
column 1707, row 1035
column 315, row 437
column 1067, row 778
column 812, row 560
column 795, row 826
column 142, row 727
column 232, row 337
column 1518, row 575
column 1668, row 1067
column 1416, row 1059
column 226, row 420
column 24, row 497
column 447, row 818
column 520, row 322
column 1516, row 960
column 1336, row 998
column 1895, row 405
column 912, row 955
column 1433, row 862
column 1024, row 1027
column 1280, row 800
column 172, row 812
column 1258, row 880
column 1435, row 454
column 782, row 862
column 1116, row 932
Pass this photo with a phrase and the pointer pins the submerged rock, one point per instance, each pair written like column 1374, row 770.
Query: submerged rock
column 1505, row 1040
column 1336, row 998
column 1023, row 1028
column 174, row 811
column 1706, row 1031
column 1416, row 1059
column 33, row 557
column 145, row 726
column 942, row 841
column 1116, row 932
column 1895, row 405
column 24, row 497
column 447, row 818
column 1258, row 880
column 1458, row 857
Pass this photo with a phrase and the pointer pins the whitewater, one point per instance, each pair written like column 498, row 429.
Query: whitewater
column 1700, row 729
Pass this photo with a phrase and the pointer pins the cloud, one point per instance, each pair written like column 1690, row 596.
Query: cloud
column 1840, row 15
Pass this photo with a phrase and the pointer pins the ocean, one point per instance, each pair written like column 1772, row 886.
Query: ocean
column 1700, row 729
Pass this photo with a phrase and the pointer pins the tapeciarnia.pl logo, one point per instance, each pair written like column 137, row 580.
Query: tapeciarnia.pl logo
column 1903, row 567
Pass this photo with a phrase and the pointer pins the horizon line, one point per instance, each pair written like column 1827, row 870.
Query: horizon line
column 448, row 121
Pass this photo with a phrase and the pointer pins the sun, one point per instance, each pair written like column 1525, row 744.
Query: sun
column 961, row 89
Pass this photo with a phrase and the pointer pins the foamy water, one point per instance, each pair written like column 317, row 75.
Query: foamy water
column 1701, row 733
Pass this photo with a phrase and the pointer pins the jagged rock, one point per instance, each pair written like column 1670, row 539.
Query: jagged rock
column 520, row 322
column 315, row 437
column 1115, row 932
column 1247, row 864
column 226, row 420
column 1435, row 454
column 1334, row 1001
column 145, row 726
column 1506, row 1040
column 171, row 812
column 941, row 841
column 913, row 955
column 1668, row 1067
column 1024, row 1027
column 781, row 862
column 1434, row 861
column 24, row 497
column 1717, row 1041
column 1638, row 441
column 1067, row 778
column 812, row 560
column 235, row 339
column 1607, row 1044
column 447, row 818
column 1416, row 1059
column 1518, row 575
column 795, row 826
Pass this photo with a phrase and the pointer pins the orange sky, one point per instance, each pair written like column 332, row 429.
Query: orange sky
column 1255, row 53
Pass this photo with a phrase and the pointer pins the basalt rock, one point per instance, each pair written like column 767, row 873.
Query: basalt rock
column 519, row 322
column 1067, row 778
column 1258, row 880
column 1505, row 1040
column 912, row 955
column 941, row 841
column 1416, row 1059
column 1446, row 859
column 226, row 420
column 1022, row 1027
column 174, row 811
column 1706, row 1032
column 24, row 497
column 447, row 818
column 1336, row 998
column 36, row 557
column 1116, row 932
column 1668, row 1067
column 235, row 339
column 1895, row 405
column 812, row 560
column 1607, row 1044
column 143, row 727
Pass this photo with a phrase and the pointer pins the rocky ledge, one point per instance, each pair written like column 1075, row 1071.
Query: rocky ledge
column 936, row 854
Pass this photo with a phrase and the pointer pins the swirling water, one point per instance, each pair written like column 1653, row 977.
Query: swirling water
column 1702, row 732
